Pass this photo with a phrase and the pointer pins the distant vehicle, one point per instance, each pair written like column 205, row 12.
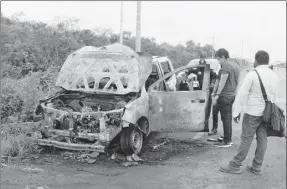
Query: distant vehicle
column 214, row 68
column 214, row 64
column 114, row 96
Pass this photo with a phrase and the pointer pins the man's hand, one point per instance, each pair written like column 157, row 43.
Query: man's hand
column 236, row 119
column 214, row 100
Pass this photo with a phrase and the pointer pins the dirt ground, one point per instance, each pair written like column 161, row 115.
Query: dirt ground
column 186, row 160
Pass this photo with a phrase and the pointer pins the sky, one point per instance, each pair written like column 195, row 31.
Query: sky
column 242, row 27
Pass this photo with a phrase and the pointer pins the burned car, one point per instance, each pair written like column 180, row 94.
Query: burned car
column 113, row 94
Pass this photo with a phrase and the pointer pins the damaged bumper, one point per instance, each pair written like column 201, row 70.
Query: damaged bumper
column 71, row 146
column 72, row 138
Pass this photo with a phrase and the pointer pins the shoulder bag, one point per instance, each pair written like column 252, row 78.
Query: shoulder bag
column 273, row 116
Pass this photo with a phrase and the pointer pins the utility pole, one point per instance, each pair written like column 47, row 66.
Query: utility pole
column 138, row 27
column 213, row 45
column 241, row 52
column 121, row 23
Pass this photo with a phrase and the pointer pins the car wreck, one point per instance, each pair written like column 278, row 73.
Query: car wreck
column 113, row 94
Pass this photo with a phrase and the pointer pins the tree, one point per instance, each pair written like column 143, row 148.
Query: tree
column 190, row 45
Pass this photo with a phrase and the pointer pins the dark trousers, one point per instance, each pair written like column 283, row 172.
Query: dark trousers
column 215, row 111
column 225, row 108
column 250, row 126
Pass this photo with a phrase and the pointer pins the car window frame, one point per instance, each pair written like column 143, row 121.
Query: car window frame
column 173, row 72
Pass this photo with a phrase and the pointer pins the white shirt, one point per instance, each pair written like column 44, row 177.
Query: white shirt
column 249, row 97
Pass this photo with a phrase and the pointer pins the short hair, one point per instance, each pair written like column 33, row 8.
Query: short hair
column 262, row 57
column 222, row 52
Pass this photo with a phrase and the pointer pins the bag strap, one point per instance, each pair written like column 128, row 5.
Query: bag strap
column 262, row 87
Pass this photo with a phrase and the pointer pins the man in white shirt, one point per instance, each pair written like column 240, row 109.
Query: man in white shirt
column 250, row 96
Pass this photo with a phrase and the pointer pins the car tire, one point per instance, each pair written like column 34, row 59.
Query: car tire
column 131, row 140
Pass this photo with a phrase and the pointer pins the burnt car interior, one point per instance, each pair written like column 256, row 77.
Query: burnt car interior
column 199, row 73
column 153, row 77
column 166, row 68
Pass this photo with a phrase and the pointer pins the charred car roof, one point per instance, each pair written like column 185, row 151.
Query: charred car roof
column 112, row 69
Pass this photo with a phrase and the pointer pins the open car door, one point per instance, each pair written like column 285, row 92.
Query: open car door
column 174, row 111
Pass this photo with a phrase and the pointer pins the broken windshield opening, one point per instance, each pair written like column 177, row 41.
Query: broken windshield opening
column 117, row 69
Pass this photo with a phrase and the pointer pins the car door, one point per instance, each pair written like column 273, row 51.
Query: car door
column 179, row 110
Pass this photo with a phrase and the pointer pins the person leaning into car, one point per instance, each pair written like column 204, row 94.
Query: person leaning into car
column 225, row 94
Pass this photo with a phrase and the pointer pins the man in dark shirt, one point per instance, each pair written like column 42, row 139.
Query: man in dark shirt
column 225, row 94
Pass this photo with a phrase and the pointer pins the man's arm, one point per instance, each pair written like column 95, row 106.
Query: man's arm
column 215, row 87
column 223, row 78
column 242, row 94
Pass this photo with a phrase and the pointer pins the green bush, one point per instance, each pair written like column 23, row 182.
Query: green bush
column 20, row 96
column 18, row 139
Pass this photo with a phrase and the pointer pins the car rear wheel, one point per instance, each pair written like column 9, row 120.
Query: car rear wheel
column 131, row 140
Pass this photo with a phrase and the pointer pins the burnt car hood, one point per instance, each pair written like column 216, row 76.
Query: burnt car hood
column 113, row 69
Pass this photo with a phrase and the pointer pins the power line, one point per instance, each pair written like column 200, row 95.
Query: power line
column 241, row 50
column 213, row 45
column 138, row 27
column 121, row 24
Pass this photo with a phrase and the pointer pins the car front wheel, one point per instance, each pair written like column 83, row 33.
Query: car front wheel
column 131, row 140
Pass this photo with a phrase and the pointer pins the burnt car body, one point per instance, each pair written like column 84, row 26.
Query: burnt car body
column 111, row 93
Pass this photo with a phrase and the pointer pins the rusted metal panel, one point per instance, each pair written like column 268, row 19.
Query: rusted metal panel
column 178, row 111
column 137, row 108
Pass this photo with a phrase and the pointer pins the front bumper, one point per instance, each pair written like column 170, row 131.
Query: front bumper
column 97, row 141
column 102, row 139
column 71, row 146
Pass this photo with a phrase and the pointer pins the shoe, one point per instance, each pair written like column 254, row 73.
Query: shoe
column 213, row 140
column 223, row 144
column 231, row 170
column 253, row 170
column 220, row 138
column 213, row 132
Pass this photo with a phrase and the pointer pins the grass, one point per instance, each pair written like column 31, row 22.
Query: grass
column 18, row 139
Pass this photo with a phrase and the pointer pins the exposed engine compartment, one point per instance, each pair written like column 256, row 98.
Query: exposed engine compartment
column 83, row 112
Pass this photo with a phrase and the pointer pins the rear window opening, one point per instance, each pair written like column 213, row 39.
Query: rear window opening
column 103, row 82
column 91, row 82
column 113, row 86
column 80, row 84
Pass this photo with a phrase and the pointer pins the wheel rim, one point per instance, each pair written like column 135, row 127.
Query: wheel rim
column 136, row 141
